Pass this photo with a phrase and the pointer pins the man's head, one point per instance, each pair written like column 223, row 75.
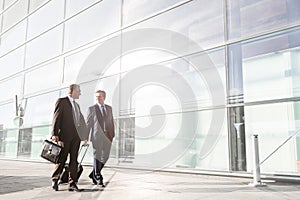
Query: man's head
column 74, row 91
column 100, row 96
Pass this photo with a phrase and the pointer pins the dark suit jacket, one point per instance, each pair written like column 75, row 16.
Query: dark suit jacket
column 63, row 124
column 94, row 121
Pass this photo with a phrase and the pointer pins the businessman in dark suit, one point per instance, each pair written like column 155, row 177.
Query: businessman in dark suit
column 100, row 124
column 68, row 130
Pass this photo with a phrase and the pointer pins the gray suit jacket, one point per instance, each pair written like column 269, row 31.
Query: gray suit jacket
column 95, row 121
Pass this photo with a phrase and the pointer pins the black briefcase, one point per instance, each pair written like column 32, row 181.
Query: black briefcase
column 51, row 151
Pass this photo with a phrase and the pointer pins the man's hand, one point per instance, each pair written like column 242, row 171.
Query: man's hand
column 84, row 143
column 55, row 138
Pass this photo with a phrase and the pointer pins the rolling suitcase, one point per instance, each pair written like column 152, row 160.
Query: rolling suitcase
column 64, row 177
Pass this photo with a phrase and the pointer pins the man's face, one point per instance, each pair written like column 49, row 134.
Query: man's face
column 100, row 97
column 76, row 93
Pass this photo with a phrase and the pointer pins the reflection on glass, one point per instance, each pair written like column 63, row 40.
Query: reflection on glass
column 202, row 24
column 12, row 63
column 35, row 80
column 247, row 18
column 44, row 19
column 272, row 72
column 24, row 142
column 92, row 24
column 74, row 7
column 274, row 124
column 73, row 65
column 1, row 16
column 136, row 10
column 193, row 157
column 39, row 110
column 187, row 83
column 144, row 56
column 9, row 145
column 39, row 134
column 13, row 38
column 176, row 140
column 237, row 139
column 235, row 74
column 10, row 88
column 15, row 13
column 98, row 61
column 44, row 47
column 7, row 119
column 8, row 3
column 33, row 4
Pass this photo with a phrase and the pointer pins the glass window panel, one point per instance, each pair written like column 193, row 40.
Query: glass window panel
column 179, row 85
column 201, row 24
column 44, row 19
column 274, row 124
column 45, row 47
column 210, row 66
column 273, row 71
column 7, row 3
column 33, row 4
column 1, row 5
column 136, row 10
column 35, row 80
column 74, row 6
column 7, row 119
column 10, row 143
column 39, row 134
column 235, row 74
column 173, row 140
column 142, row 57
column 13, row 38
column 267, row 84
column 15, row 13
column 92, row 24
column 247, row 18
column 73, row 65
column 212, row 160
column 83, row 66
column 1, row 18
column 12, row 63
column 39, row 109
column 10, row 88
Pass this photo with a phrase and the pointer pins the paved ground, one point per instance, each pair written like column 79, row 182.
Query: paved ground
column 30, row 180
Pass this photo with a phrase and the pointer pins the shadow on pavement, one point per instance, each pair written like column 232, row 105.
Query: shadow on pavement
column 10, row 184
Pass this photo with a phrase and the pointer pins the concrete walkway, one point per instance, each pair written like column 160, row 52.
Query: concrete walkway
column 31, row 180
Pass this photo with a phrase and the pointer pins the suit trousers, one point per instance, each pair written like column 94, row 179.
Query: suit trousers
column 101, row 148
column 101, row 154
column 70, row 147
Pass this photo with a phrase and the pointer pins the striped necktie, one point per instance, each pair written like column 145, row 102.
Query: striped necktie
column 104, row 117
column 76, row 113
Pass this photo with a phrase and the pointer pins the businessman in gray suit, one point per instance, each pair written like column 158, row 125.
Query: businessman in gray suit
column 100, row 124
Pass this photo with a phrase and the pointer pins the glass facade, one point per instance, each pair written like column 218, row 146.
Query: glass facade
column 190, row 81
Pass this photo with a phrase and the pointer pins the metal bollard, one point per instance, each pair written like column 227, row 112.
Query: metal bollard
column 256, row 168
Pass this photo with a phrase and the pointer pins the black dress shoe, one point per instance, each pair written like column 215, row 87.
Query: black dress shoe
column 74, row 188
column 55, row 185
column 101, row 183
column 92, row 177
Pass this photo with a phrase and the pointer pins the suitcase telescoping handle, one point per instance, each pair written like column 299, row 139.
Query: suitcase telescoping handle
column 86, row 148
